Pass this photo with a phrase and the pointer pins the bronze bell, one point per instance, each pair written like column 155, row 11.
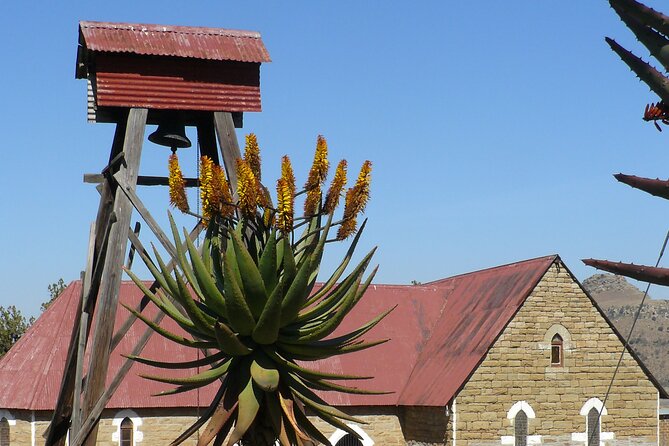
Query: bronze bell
column 170, row 134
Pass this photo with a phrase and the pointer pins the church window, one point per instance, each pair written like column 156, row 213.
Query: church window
column 349, row 440
column 520, row 429
column 557, row 351
column 4, row 432
column 592, row 427
column 127, row 432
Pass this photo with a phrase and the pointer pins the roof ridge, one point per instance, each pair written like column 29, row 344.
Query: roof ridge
column 492, row 268
column 180, row 29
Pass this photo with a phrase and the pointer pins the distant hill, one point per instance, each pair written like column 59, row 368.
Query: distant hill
column 620, row 301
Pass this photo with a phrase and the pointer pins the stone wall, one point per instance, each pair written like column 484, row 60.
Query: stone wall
column 664, row 430
column 383, row 425
column 518, row 368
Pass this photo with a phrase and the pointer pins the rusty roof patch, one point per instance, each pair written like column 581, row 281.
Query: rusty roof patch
column 176, row 41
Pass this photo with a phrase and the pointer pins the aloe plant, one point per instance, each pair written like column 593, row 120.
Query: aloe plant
column 249, row 298
column 651, row 29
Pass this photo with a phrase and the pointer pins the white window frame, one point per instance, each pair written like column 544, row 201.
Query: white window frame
column 339, row 434
column 137, row 435
column 583, row 436
column 511, row 416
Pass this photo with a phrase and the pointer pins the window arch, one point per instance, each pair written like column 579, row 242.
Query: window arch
column 4, row 432
column 343, row 438
column 127, row 424
column 519, row 415
column 557, row 354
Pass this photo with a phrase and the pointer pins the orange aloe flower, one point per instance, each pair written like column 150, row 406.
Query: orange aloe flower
column 177, row 185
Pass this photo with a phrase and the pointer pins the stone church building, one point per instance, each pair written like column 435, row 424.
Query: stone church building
column 519, row 355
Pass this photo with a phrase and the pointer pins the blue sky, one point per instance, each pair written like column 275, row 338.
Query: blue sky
column 494, row 128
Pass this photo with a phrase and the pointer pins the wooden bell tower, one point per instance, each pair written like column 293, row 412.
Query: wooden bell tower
column 138, row 75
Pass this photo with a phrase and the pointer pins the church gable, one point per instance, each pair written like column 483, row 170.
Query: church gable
column 549, row 368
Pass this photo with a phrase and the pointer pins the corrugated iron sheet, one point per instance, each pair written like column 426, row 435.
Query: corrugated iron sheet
column 179, row 41
column 31, row 372
column 438, row 333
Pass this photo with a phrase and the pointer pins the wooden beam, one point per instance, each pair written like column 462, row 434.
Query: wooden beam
column 227, row 141
column 142, row 180
column 56, row 434
column 83, row 330
column 130, row 194
column 111, row 278
column 95, row 413
column 131, row 254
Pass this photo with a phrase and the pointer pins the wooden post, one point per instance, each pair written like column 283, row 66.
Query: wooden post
column 227, row 140
column 111, row 278
column 57, row 432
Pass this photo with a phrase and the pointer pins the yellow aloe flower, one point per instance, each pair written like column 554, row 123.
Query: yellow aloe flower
column 247, row 189
column 207, row 195
column 317, row 175
column 285, row 203
column 221, row 197
column 347, row 228
column 287, row 173
column 337, row 185
column 252, row 155
column 356, row 201
column 177, row 185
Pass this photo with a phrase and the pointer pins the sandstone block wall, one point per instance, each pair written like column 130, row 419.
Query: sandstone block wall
column 664, row 430
column 517, row 368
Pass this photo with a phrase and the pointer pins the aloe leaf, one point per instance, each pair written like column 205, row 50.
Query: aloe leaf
column 306, row 373
column 264, row 373
column 212, row 295
column 229, row 342
column 314, row 351
column 266, row 330
column 239, row 314
column 332, row 281
column 168, row 334
column 302, row 420
column 254, row 288
column 202, row 321
column 295, row 295
column 267, row 264
column 202, row 362
column 348, row 302
column 200, row 379
column 185, row 435
column 181, row 258
column 169, row 310
column 249, row 404
column 221, row 416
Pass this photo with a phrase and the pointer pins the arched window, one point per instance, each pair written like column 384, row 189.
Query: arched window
column 557, row 351
column 520, row 429
column 593, row 411
column 592, row 427
column 127, row 431
column 342, row 438
column 4, row 432
column 349, row 440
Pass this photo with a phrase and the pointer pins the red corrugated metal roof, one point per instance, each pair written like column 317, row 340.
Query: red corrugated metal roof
column 439, row 333
column 31, row 372
column 178, row 41
column 478, row 307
